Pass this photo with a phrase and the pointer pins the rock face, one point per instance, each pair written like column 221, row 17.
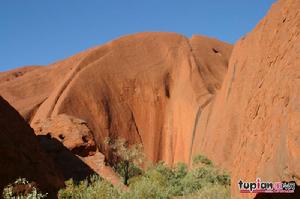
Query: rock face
column 181, row 96
column 253, row 125
column 73, row 133
column 147, row 87
column 70, row 143
column 21, row 154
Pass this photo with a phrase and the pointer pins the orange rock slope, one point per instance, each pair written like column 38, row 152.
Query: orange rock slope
column 21, row 154
column 147, row 87
column 253, row 125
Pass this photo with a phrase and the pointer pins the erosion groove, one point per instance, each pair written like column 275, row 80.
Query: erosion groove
column 197, row 118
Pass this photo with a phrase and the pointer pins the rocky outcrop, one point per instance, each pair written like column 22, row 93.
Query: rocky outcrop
column 70, row 143
column 72, row 132
column 21, row 154
column 252, row 125
column 147, row 87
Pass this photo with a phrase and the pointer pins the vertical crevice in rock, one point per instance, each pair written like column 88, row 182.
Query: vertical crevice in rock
column 231, row 82
column 136, row 127
column 167, row 82
column 197, row 119
column 108, row 113
column 30, row 115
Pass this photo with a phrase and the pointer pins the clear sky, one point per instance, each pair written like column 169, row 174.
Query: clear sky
column 39, row 32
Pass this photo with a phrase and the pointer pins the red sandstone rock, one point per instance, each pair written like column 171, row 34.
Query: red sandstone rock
column 70, row 143
column 72, row 132
column 146, row 87
column 252, row 125
column 97, row 163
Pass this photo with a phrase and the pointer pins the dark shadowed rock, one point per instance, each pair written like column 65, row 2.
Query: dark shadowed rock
column 21, row 154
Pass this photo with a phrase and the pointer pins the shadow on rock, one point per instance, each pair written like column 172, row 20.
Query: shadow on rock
column 69, row 164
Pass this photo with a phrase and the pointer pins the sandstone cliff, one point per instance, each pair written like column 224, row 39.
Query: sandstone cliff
column 252, row 125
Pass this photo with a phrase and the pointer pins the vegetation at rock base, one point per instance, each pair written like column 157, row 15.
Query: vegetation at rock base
column 203, row 180
column 92, row 188
column 159, row 181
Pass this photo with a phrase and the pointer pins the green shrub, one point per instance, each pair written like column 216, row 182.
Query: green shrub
column 211, row 192
column 163, row 169
column 223, row 179
column 152, row 185
column 22, row 189
column 201, row 159
column 93, row 189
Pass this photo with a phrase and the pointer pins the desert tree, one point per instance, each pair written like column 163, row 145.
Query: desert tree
column 129, row 157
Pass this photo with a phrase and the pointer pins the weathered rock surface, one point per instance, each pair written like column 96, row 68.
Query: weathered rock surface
column 70, row 143
column 146, row 87
column 97, row 163
column 72, row 132
column 253, row 123
column 21, row 154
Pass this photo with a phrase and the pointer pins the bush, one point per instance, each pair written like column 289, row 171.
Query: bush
column 94, row 188
column 22, row 189
column 163, row 170
column 151, row 185
column 200, row 159
column 211, row 192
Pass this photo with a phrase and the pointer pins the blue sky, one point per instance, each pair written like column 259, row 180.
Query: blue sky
column 39, row 32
